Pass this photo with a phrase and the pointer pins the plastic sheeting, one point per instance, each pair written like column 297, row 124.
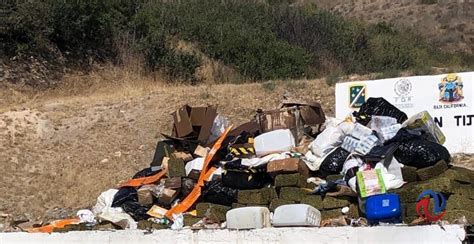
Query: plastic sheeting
column 378, row 106
column 421, row 153
column 334, row 162
column 216, row 192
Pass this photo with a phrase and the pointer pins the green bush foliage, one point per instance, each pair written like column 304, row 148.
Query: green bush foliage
column 261, row 40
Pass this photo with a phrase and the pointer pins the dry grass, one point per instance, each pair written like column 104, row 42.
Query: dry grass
column 54, row 143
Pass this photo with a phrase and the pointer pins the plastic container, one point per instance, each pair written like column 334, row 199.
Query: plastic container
column 248, row 218
column 384, row 208
column 276, row 141
column 296, row 215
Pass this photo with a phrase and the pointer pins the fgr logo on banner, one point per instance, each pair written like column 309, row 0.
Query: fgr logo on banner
column 402, row 89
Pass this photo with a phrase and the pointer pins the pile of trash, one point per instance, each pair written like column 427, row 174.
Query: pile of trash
column 291, row 166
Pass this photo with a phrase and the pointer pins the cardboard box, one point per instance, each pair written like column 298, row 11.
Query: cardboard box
column 186, row 157
column 167, row 196
column 173, row 183
column 145, row 196
column 194, row 123
column 287, row 166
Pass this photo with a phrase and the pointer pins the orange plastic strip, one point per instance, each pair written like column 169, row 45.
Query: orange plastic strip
column 57, row 224
column 192, row 197
column 144, row 180
column 209, row 173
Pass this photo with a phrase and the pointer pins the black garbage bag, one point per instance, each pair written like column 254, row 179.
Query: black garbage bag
column 144, row 173
column 123, row 195
column 333, row 162
column 215, row 192
column 134, row 209
column 242, row 177
column 404, row 135
column 378, row 106
column 421, row 153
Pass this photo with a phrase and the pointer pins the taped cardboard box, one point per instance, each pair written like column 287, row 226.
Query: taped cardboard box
column 287, row 166
column 424, row 122
column 167, row 196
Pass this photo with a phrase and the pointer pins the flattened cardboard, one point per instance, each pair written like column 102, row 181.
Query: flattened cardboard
column 198, row 116
column 311, row 112
column 251, row 127
column 182, row 121
column 205, row 132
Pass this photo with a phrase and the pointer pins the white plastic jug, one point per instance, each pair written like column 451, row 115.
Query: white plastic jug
column 248, row 218
column 296, row 215
column 276, row 141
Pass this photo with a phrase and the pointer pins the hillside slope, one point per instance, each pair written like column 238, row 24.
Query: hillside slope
column 448, row 23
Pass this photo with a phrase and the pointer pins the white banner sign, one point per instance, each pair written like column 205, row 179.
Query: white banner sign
column 448, row 98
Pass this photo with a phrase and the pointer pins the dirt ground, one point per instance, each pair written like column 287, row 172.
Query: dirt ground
column 59, row 153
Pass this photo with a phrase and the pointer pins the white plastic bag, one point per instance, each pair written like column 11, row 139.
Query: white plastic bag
column 218, row 127
column 104, row 201
column 86, row 216
column 254, row 162
column 121, row 219
column 178, row 222
column 391, row 181
column 351, row 163
column 331, row 137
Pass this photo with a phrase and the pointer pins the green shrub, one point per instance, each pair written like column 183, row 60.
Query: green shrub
column 259, row 40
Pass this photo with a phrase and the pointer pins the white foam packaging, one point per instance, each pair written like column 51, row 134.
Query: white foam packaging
column 366, row 144
column 248, row 218
column 387, row 133
column 359, row 131
column 350, row 143
column 276, row 141
column 296, row 215
column 195, row 164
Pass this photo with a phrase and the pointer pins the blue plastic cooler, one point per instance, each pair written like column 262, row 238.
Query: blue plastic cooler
column 383, row 208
